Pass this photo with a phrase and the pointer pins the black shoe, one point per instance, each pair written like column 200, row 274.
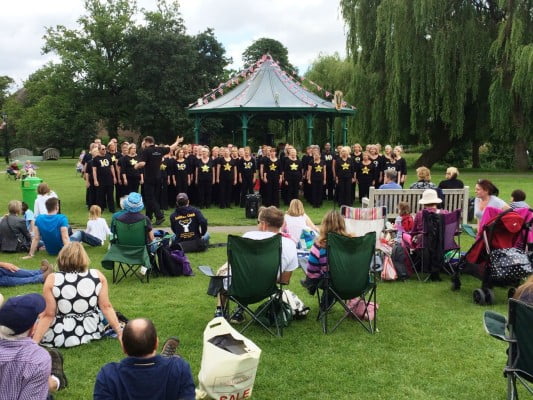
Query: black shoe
column 159, row 221
column 309, row 285
column 219, row 312
column 237, row 317
column 170, row 347
column 57, row 368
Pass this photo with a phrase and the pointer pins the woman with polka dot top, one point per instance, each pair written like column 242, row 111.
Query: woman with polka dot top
column 76, row 297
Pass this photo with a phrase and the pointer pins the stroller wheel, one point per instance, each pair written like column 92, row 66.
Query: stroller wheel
column 479, row 297
column 511, row 292
column 489, row 296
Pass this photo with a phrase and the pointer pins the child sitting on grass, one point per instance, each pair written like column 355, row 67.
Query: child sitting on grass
column 97, row 229
column 405, row 220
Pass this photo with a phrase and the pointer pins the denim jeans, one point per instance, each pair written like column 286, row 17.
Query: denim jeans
column 82, row 236
column 21, row 277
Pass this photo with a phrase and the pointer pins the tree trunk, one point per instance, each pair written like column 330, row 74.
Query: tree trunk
column 441, row 143
column 521, row 159
column 476, row 163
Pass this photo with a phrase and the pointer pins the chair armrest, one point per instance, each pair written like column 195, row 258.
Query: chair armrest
column 495, row 324
column 365, row 202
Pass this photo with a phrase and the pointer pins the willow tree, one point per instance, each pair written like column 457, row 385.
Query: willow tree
column 511, row 91
column 423, row 68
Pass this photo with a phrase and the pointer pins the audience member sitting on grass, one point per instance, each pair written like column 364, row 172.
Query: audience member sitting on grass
column 30, row 169
column 76, row 297
column 296, row 220
column 29, row 217
column 525, row 291
column 133, row 205
column 14, row 170
column 269, row 223
column 27, row 371
column 14, row 235
column 518, row 199
column 97, row 230
column 144, row 374
column 390, row 179
column 51, row 228
column 404, row 221
column 43, row 193
column 189, row 225
column 317, row 263
column 11, row 275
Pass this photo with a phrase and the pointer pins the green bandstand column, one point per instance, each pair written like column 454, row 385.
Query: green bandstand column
column 244, row 120
column 344, row 130
column 309, row 120
column 197, row 123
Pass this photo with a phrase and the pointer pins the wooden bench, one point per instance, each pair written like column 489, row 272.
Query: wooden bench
column 453, row 199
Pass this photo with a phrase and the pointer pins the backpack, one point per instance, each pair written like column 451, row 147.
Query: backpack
column 173, row 262
column 357, row 305
column 298, row 308
column 399, row 261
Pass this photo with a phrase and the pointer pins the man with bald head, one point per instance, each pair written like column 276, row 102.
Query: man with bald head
column 144, row 374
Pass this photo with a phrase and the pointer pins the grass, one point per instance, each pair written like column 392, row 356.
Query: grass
column 430, row 344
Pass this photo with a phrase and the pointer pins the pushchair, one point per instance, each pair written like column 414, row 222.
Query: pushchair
column 502, row 230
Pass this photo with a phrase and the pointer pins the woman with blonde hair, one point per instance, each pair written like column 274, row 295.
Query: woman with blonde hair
column 296, row 220
column 14, row 235
column 97, row 230
column 317, row 263
column 424, row 179
column 451, row 181
column 76, row 297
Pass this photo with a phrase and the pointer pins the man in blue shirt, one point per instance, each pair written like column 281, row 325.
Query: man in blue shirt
column 390, row 180
column 144, row 374
column 51, row 228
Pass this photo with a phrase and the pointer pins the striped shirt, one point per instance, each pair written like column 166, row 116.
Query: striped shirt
column 317, row 263
column 24, row 370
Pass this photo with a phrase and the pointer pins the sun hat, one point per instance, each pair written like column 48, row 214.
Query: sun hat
column 182, row 199
column 134, row 202
column 430, row 197
column 19, row 313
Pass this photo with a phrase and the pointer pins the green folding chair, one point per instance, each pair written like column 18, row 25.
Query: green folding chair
column 128, row 254
column 253, row 275
column 350, row 276
column 520, row 338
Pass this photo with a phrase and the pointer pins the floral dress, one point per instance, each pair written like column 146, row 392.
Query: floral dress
column 78, row 319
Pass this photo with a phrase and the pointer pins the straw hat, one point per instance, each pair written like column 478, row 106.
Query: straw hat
column 430, row 197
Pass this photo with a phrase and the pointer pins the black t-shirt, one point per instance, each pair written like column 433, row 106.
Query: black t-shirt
column 103, row 165
column 366, row 174
column 272, row 170
column 153, row 157
column 227, row 170
column 328, row 159
column 247, row 168
column 317, row 171
column 127, row 167
column 292, row 169
column 205, row 170
column 344, row 169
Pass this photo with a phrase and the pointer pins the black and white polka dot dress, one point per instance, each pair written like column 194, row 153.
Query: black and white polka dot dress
column 78, row 319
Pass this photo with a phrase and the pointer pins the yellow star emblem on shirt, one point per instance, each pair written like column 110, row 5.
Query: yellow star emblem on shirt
column 365, row 170
column 227, row 167
column 345, row 165
column 133, row 161
column 113, row 158
column 318, row 168
column 294, row 167
column 162, row 167
column 273, row 167
column 205, row 168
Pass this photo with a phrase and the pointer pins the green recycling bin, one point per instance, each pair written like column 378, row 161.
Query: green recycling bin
column 29, row 190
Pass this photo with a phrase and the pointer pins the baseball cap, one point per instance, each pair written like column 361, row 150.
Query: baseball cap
column 19, row 313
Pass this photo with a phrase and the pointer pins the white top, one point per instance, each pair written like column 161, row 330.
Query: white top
column 40, row 206
column 494, row 201
column 289, row 256
column 98, row 228
column 295, row 225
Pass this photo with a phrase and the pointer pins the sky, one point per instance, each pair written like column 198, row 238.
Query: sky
column 306, row 27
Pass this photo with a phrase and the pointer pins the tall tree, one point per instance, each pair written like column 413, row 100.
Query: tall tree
column 98, row 55
column 5, row 84
column 266, row 45
column 511, row 91
column 423, row 66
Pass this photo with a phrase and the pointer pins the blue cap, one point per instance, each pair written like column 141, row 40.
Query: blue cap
column 19, row 313
column 134, row 202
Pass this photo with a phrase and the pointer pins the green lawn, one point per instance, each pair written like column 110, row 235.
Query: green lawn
column 430, row 345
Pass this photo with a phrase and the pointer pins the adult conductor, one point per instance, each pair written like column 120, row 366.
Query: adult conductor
column 151, row 159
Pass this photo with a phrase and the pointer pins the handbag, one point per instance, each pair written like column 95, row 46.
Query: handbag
column 22, row 245
column 389, row 272
column 508, row 264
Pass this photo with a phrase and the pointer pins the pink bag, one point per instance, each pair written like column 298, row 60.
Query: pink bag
column 389, row 272
column 357, row 305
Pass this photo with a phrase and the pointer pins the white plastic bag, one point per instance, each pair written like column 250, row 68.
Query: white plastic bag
column 227, row 373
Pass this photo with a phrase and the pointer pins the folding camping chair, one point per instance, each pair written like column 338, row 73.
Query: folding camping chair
column 439, row 243
column 254, row 268
column 349, row 276
column 520, row 352
column 128, row 249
